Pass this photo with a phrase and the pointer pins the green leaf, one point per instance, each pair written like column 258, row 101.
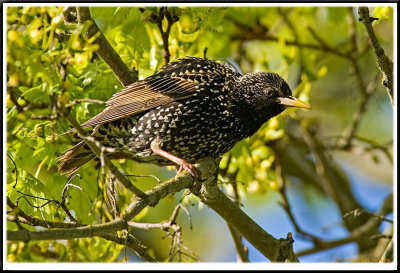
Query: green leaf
column 35, row 93
column 385, row 13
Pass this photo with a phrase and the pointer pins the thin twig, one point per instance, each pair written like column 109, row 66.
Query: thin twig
column 14, row 99
column 373, row 145
column 352, row 30
column 165, row 34
column 366, row 95
column 241, row 249
column 96, row 148
column 76, row 101
column 45, row 117
column 324, row 45
column 285, row 201
column 14, row 171
column 144, row 175
column 358, row 212
column 362, row 232
column 130, row 241
column 176, row 239
column 33, row 221
column 289, row 23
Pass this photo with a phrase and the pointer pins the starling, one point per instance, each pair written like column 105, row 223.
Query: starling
column 190, row 109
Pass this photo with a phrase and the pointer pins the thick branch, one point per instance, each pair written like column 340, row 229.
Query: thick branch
column 384, row 62
column 387, row 255
column 106, row 51
column 66, row 233
column 131, row 242
column 175, row 184
column 274, row 249
column 138, row 203
column 269, row 246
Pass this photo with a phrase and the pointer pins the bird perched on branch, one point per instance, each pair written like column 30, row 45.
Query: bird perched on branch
column 190, row 109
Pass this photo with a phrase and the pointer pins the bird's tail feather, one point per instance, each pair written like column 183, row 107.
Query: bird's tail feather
column 74, row 158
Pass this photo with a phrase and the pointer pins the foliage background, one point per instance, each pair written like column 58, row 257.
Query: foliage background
column 43, row 64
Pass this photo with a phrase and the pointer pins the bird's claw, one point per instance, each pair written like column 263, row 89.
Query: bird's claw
column 188, row 167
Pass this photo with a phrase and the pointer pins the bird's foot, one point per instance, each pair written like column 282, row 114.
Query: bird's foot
column 189, row 167
column 155, row 146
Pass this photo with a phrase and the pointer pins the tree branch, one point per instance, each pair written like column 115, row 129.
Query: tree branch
column 384, row 62
column 106, row 51
column 23, row 218
column 261, row 33
column 387, row 255
column 130, row 241
column 363, row 232
column 366, row 94
column 176, row 234
column 241, row 250
column 99, row 153
column 158, row 20
column 325, row 174
column 332, row 178
column 324, row 45
column 274, row 249
column 285, row 201
column 269, row 246
column 76, row 101
column 138, row 203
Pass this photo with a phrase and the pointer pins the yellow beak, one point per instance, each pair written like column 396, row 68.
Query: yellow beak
column 292, row 101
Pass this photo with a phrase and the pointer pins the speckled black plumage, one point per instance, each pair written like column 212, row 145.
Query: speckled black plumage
column 192, row 108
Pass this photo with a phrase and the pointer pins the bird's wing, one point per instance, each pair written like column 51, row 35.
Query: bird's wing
column 176, row 81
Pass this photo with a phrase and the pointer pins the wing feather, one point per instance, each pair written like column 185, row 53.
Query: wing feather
column 176, row 81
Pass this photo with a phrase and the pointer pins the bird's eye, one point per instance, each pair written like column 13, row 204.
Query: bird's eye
column 268, row 92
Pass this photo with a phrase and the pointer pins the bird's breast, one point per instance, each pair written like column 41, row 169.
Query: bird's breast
column 191, row 129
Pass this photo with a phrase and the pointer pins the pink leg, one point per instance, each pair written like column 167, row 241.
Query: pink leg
column 179, row 161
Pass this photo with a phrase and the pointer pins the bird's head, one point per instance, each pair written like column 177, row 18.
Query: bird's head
column 268, row 93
